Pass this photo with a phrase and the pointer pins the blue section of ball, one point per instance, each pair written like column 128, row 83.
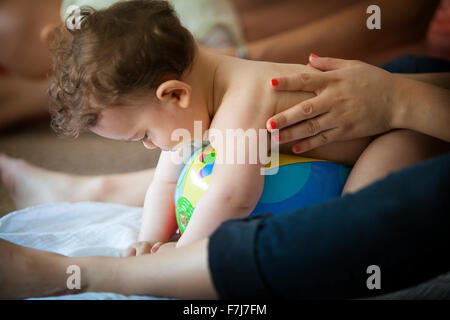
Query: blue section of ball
column 300, row 185
column 282, row 185
column 293, row 187
column 207, row 170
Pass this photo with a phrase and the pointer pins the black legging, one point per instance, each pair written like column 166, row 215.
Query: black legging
column 401, row 224
column 417, row 64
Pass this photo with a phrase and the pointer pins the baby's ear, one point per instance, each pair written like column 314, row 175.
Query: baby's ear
column 48, row 32
column 175, row 90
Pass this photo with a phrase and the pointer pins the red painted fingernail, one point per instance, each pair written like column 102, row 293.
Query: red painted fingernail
column 272, row 124
column 274, row 82
column 312, row 55
column 296, row 149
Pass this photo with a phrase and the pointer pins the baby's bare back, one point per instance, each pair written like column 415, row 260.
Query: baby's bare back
column 250, row 100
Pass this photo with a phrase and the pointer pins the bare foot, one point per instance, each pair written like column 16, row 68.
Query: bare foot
column 29, row 185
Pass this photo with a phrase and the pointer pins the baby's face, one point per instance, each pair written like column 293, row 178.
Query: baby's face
column 151, row 122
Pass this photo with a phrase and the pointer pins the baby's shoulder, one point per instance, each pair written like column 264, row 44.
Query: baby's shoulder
column 243, row 107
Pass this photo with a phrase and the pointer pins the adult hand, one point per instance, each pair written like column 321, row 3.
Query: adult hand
column 353, row 100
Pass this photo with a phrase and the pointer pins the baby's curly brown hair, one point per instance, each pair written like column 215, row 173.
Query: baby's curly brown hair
column 116, row 53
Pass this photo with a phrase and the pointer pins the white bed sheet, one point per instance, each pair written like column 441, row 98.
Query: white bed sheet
column 76, row 229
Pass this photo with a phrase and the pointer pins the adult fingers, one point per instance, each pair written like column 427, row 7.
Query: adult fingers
column 315, row 141
column 305, row 81
column 304, row 110
column 329, row 64
column 307, row 128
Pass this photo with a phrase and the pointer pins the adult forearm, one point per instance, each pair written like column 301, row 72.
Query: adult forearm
column 345, row 34
column 175, row 272
column 438, row 79
column 424, row 108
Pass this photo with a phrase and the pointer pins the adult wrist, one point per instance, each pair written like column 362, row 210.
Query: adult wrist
column 401, row 89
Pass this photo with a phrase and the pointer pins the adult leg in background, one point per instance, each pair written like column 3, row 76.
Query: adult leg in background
column 30, row 185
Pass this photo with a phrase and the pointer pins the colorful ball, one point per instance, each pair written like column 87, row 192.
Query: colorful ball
column 299, row 182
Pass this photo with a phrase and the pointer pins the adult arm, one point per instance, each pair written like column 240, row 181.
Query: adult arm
column 441, row 79
column 354, row 100
column 345, row 34
column 423, row 108
column 177, row 273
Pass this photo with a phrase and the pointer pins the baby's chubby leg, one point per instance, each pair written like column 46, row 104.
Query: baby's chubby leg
column 391, row 152
column 344, row 152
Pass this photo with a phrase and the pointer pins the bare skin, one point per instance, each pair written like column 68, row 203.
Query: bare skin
column 25, row 31
column 389, row 153
column 33, row 273
column 54, row 185
column 284, row 15
column 27, row 55
column 24, row 180
column 16, row 107
column 288, row 31
column 389, row 157
column 30, row 185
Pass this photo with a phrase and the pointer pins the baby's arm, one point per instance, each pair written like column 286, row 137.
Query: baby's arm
column 233, row 193
column 158, row 220
column 234, row 189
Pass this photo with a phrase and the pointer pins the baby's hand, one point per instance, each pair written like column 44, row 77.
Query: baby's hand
column 141, row 247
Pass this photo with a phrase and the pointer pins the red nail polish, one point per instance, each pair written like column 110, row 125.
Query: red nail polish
column 272, row 124
column 313, row 55
column 274, row 82
column 296, row 149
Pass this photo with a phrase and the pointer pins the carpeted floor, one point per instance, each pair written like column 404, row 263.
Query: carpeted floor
column 87, row 155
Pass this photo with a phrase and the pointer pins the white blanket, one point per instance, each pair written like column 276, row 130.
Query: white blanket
column 79, row 229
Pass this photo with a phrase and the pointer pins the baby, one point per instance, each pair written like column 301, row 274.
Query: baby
column 133, row 72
